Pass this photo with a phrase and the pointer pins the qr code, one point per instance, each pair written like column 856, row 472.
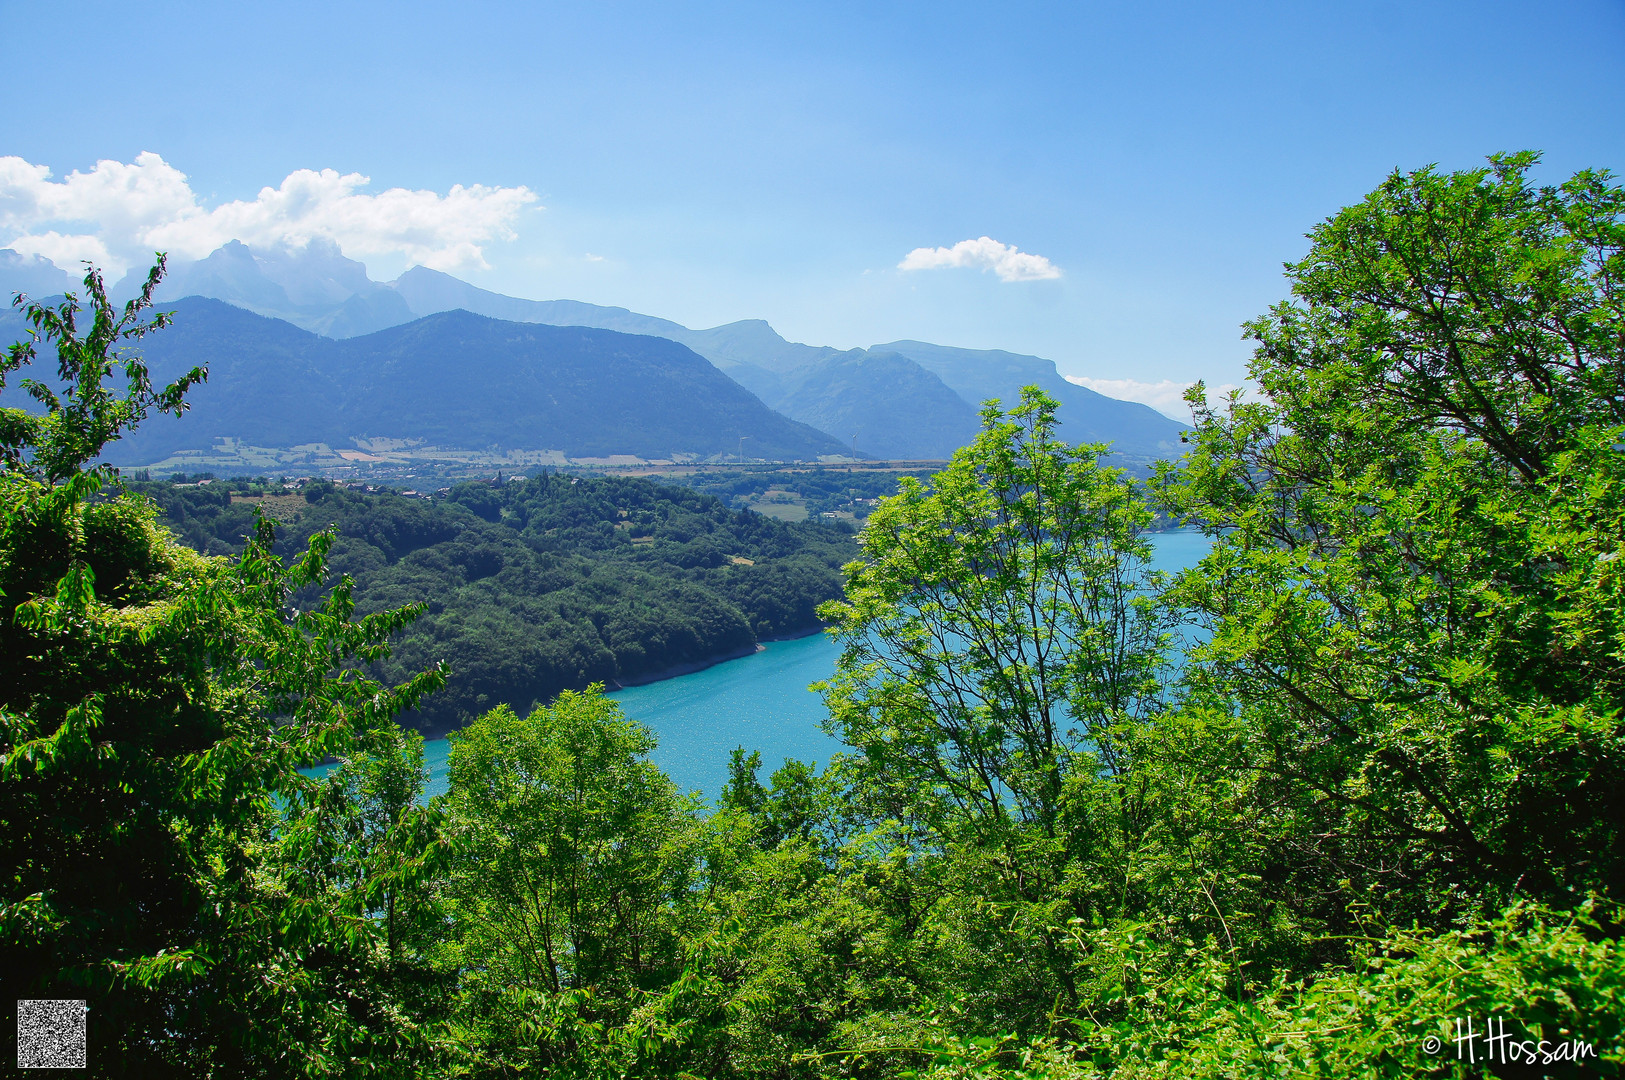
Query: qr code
column 51, row 1034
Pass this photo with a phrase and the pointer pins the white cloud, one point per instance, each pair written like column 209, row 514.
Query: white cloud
column 1166, row 396
column 983, row 254
column 68, row 252
column 118, row 214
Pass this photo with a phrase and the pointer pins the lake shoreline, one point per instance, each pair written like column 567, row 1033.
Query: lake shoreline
column 677, row 671
column 701, row 712
column 690, row 667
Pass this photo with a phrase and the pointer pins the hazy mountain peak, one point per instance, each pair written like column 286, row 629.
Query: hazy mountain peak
column 751, row 326
column 230, row 273
column 422, row 273
column 318, row 273
column 31, row 274
column 980, row 375
column 427, row 291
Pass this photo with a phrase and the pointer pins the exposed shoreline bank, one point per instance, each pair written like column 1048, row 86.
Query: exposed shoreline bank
column 691, row 666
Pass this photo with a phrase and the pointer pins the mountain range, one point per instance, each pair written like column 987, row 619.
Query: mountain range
column 452, row 380
column 354, row 375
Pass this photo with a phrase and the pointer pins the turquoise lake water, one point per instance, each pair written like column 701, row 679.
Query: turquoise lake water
column 760, row 702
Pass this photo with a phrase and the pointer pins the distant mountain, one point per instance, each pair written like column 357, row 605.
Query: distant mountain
column 268, row 384
column 753, row 341
column 906, row 399
column 453, row 380
column 1086, row 416
column 457, row 378
column 315, row 288
column 886, row 404
column 895, row 407
column 31, row 274
column 428, row 291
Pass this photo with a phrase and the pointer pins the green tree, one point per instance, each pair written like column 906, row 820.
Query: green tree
column 154, row 707
column 999, row 637
column 362, row 859
column 1416, row 657
column 798, row 802
column 76, row 421
column 572, row 850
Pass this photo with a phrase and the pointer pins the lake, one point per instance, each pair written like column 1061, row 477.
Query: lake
column 760, row 702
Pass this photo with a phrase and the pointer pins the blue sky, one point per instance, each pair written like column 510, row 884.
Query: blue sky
column 710, row 162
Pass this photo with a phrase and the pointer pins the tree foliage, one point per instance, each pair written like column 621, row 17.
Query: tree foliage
column 998, row 635
column 156, row 706
column 1413, row 605
column 1000, row 624
column 73, row 422
column 573, row 851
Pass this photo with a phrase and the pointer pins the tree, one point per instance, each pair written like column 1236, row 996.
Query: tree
column 85, row 415
column 154, row 706
column 1414, row 596
column 360, row 852
column 798, row 803
column 572, row 848
column 999, row 635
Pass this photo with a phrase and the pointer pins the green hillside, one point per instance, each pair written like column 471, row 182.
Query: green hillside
column 546, row 584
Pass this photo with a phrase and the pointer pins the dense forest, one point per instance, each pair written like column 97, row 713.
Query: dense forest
column 1344, row 800
column 823, row 490
column 539, row 585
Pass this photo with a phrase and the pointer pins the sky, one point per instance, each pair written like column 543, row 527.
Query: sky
column 1111, row 186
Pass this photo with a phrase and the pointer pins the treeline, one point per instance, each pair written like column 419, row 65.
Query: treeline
column 544, row 584
column 824, row 489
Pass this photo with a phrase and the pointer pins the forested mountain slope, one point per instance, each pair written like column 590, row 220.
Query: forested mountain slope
column 454, row 380
column 547, row 584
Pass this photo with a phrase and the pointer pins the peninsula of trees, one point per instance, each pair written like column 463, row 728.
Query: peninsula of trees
column 539, row 585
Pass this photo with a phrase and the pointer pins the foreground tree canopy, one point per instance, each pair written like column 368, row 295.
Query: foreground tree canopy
column 1294, row 812
column 156, row 706
column 1415, row 603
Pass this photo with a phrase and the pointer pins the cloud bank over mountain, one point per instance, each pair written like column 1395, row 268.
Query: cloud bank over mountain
column 117, row 214
column 1166, row 396
column 984, row 253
